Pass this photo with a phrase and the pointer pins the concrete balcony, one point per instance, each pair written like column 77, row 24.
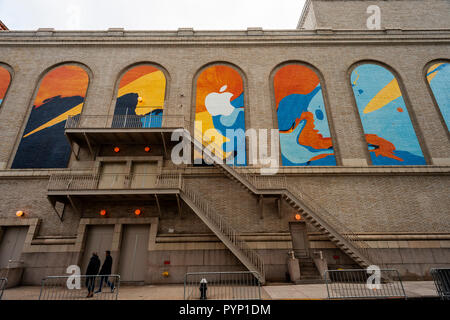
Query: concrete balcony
column 93, row 130
column 75, row 188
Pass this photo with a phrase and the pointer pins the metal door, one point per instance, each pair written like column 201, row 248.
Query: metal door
column 134, row 252
column 299, row 237
column 144, row 175
column 99, row 239
column 113, row 175
column 11, row 244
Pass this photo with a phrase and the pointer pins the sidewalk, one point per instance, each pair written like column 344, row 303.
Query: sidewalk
column 414, row 289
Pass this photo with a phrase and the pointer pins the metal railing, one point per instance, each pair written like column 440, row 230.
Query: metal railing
column 105, row 181
column 441, row 277
column 240, row 285
column 3, row 283
column 280, row 182
column 125, row 121
column 355, row 284
column 211, row 214
column 80, row 287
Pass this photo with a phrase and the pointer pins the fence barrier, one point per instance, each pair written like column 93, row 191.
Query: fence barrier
column 79, row 287
column 441, row 277
column 222, row 286
column 359, row 284
column 3, row 283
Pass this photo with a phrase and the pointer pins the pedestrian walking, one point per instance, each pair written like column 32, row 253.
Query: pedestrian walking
column 91, row 272
column 105, row 271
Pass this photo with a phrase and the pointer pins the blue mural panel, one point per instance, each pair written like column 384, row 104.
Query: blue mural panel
column 438, row 77
column 387, row 126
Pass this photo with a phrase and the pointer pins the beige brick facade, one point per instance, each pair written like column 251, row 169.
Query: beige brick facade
column 402, row 210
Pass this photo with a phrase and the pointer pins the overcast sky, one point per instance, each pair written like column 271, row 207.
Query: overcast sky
column 150, row 14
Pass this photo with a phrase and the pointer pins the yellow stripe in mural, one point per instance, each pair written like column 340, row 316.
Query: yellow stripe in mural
column 62, row 117
column 357, row 77
column 151, row 88
column 210, row 134
column 431, row 72
column 386, row 95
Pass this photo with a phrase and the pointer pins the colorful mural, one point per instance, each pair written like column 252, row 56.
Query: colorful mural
column 438, row 77
column 387, row 126
column 220, row 108
column 302, row 119
column 141, row 92
column 5, row 79
column 60, row 94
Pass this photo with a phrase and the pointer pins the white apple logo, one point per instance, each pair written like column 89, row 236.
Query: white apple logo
column 219, row 103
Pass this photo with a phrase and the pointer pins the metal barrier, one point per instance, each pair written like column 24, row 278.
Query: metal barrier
column 355, row 284
column 441, row 277
column 3, row 283
column 241, row 285
column 79, row 287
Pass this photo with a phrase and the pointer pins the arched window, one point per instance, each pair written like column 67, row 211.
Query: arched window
column 219, row 113
column 140, row 96
column 5, row 80
column 438, row 77
column 61, row 94
column 387, row 126
column 302, row 119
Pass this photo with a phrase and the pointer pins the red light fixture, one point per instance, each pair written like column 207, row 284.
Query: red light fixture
column 147, row 149
column 20, row 213
column 103, row 212
column 116, row 149
column 138, row 212
column 298, row 217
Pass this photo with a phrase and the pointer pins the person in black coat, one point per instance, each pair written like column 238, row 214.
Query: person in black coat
column 91, row 272
column 105, row 272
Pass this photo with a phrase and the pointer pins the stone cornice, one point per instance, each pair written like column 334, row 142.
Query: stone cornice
column 289, row 171
column 252, row 36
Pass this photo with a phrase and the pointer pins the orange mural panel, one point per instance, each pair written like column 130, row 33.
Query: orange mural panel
column 212, row 79
column 5, row 79
column 75, row 84
column 294, row 79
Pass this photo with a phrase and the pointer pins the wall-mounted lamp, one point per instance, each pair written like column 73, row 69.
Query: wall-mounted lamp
column 116, row 149
column 138, row 212
column 103, row 212
column 298, row 217
column 147, row 149
column 20, row 213
column 140, row 99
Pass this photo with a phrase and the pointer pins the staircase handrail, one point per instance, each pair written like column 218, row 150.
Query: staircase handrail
column 249, row 175
column 224, row 227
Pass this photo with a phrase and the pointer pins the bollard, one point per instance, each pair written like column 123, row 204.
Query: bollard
column 203, row 288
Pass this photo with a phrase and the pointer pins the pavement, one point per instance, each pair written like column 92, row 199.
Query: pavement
column 282, row 291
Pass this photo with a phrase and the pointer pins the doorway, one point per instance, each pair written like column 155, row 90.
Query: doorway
column 299, row 235
column 99, row 239
column 113, row 175
column 144, row 175
column 11, row 244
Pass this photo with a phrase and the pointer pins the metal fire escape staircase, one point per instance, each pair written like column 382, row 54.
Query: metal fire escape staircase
column 320, row 218
column 228, row 235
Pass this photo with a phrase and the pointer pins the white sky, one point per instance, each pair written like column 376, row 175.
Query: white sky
column 150, row 14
